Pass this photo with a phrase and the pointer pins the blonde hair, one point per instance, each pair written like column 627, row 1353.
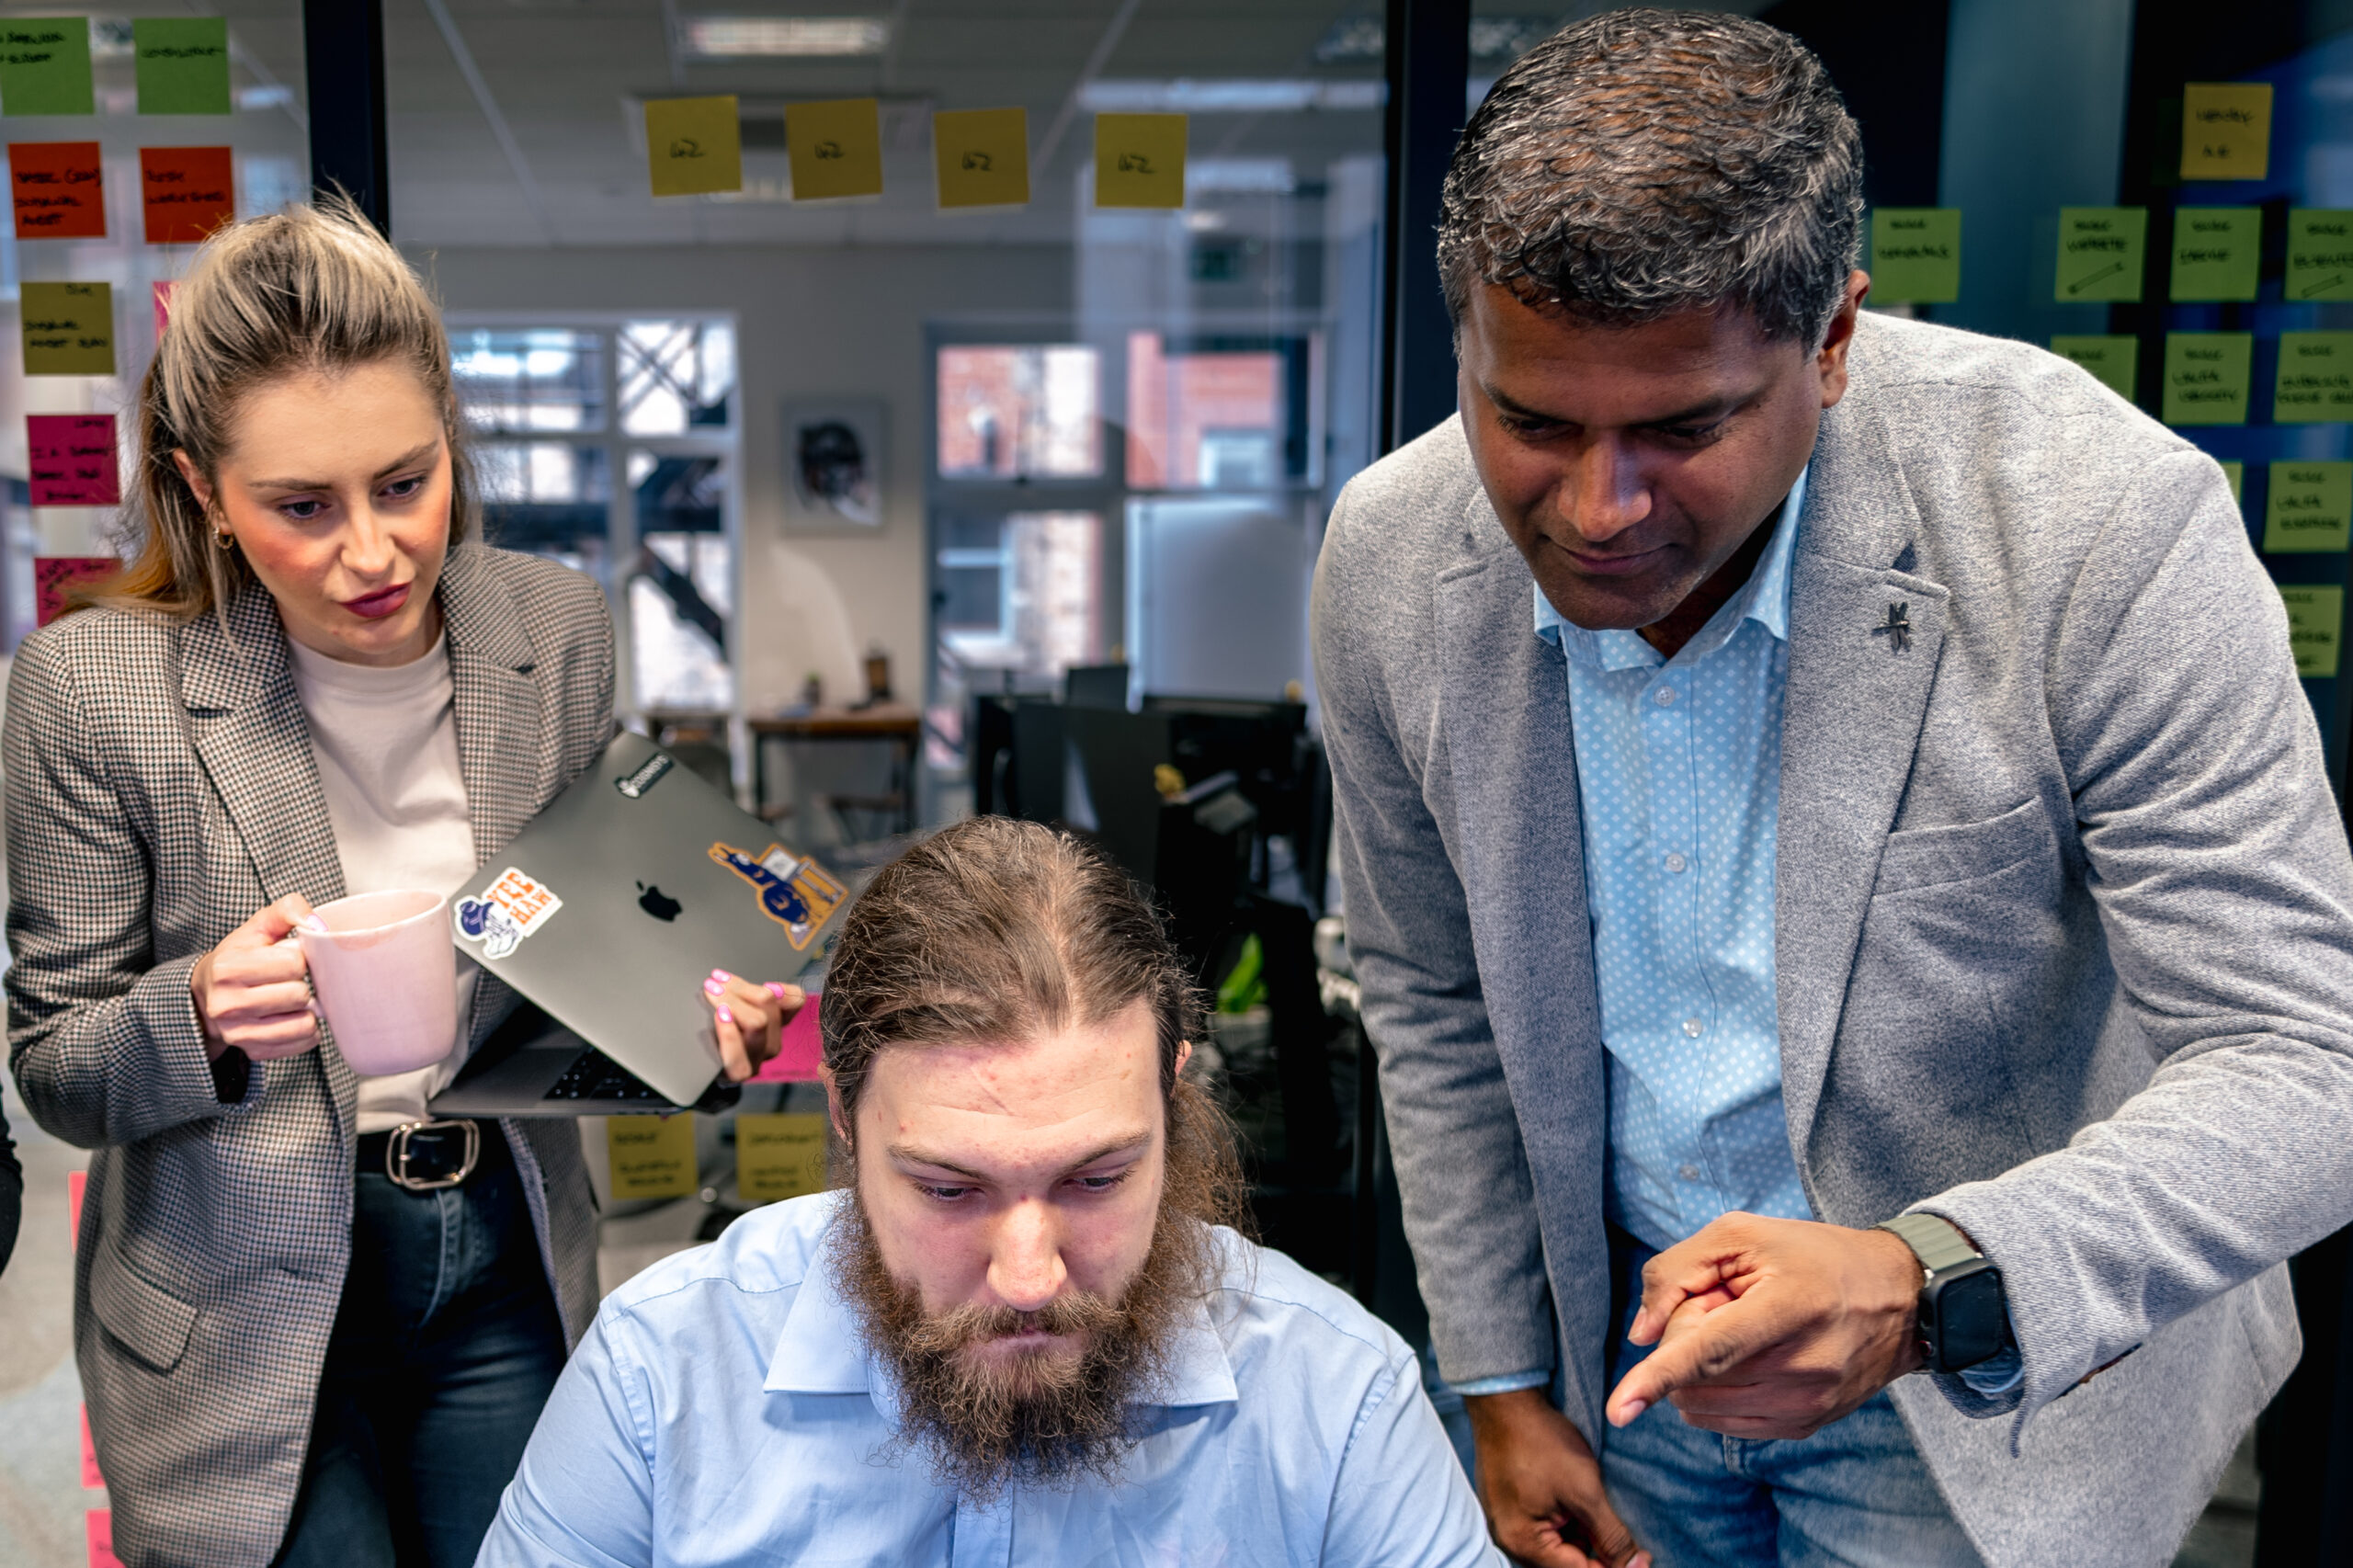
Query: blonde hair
column 310, row 289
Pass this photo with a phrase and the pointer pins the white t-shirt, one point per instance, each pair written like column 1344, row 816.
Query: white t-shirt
column 386, row 742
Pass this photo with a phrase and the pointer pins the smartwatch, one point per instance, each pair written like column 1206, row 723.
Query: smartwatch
column 1964, row 1317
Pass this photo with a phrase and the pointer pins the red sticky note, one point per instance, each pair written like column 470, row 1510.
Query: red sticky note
column 164, row 303
column 99, row 1523
column 58, row 190
column 188, row 192
column 798, row 1052
column 72, row 459
column 90, row 1476
column 74, row 1179
column 53, row 577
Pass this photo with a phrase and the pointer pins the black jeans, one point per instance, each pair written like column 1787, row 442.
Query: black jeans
column 444, row 1349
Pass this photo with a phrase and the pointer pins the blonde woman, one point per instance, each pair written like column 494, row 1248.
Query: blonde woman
column 305, row 684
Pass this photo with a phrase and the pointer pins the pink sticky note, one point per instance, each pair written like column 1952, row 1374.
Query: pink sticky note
column 71, row 460
column 90, row 1476
column 100, row 1524
column 73, row 1180
column 54, row 577
column 164, row 303
column 798, row 1053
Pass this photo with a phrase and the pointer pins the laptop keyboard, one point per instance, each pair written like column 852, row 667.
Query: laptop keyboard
column 593, row 1075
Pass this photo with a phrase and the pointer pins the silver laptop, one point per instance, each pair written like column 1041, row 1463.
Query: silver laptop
column 606, row 913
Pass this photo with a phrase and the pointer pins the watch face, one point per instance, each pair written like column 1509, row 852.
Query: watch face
column 1972, row 1319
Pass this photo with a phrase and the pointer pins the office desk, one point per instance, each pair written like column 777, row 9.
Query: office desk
column 894, row 724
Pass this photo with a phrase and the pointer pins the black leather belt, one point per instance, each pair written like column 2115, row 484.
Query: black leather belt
column 426, row 1156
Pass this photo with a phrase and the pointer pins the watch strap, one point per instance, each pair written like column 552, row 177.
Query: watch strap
column 1937, row 1243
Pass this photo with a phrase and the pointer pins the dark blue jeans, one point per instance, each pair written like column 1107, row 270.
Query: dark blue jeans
column 444, row 1349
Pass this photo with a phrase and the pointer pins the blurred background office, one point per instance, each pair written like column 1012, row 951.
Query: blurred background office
column 907, row 510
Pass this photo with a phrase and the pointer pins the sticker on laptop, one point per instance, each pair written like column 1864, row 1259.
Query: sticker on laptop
column 647, row 774
column 795, row 892
column 509, row 910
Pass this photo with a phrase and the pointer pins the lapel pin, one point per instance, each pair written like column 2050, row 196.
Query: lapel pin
column 1897, row 628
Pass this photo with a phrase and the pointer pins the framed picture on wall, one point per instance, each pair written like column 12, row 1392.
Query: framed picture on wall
column 833, row 459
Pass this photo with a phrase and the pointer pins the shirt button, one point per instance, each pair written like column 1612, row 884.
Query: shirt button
column 1676, row 862
column 1663, row 697
column 1690, row 1173
column 1691, row 1027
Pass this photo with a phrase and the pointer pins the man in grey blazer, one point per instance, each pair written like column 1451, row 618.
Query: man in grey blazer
column 1799, row 771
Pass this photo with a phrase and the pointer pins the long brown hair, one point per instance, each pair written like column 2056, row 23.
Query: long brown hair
column 310, row 289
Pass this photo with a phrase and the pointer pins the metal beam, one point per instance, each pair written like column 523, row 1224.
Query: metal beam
column 1428, row 58
column 488, row 104
column 343, row 56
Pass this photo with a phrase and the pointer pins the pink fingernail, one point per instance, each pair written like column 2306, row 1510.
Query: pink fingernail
column 713, row 987
column 724, row 1016
column 777, row 988
column 720, row 974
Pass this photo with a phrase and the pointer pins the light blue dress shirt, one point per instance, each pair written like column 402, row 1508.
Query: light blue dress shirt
column 723, row 1410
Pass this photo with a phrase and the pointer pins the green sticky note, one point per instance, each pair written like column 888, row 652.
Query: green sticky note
column 2315, row 629
column 182, row 65
column 2316, row 378
column 2114, row 360
column 2217, row 251
column 1916, row 254
column 2234, row 472
column 2207, row 377
column 2310, row 509
column 2320, row 255
column 45, row 65
column 68, row 328
column 2100, row 254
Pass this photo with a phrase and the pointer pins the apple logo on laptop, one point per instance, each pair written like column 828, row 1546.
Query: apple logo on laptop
column 658, row 903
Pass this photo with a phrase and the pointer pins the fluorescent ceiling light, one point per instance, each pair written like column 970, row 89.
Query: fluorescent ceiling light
column 783, row 37
column 1236, row 95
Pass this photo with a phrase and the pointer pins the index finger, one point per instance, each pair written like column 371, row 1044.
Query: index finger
column 1718, row 1342
column 273, row 921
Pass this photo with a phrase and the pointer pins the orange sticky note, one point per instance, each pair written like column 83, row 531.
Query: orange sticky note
column 188, row 192
column 58, row 189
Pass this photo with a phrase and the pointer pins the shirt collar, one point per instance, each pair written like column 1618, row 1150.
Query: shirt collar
column 821, row 1351
column 1764, row 598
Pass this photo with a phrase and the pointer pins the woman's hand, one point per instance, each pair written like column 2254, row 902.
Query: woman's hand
column 253, row 992
column 749, row 1019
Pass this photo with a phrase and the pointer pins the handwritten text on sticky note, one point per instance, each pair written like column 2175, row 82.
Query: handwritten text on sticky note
column 2114, row 358
column 45, row 65
column 2316, row 378
column 651, row 1156
column 2217, row 253
column 1139, row 160
column 2207, row 377
column 983, row 156
column 58, row 189
column 2315, row 629
column 71, row 460
column 780, row 1156
column 2225, row 129
column 56, row 580
column 694, row 146
column 186, row 192
column 181, row 64
column 2100, row 254
column 2310, row 510
column 836, row 148
column 2320, row 255
column 68, row 327
column 1916, row 254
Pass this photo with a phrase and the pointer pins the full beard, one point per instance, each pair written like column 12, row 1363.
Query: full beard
column 1051, row 1416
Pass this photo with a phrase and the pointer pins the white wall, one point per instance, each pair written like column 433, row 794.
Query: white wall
column 815, row 324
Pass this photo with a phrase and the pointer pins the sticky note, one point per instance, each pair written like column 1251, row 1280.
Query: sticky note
column 2310, row 509
column 45, row 65
column 74, row 1180
column 58, row 190
column 69, row 328
column 1139, row 160
column 2115, row 360
column 651, row 1156
column 694, row 146
column 181, row 64
column 2320, row 255
column 90, row 1476
column 2316, row 378
column 163, row 290
column 186, row 192
column 71, row 460
column 2207, row 377
column 780, row 1156
column 2217, row 253
column 2315, row 629
column 2225, row 129
column 2234, row 475
column 835, row 148
column 98, row 1529
column 55, row 579
column 800, row 1050
column 1916, row 254
column 2101, row 252
column 983, row 156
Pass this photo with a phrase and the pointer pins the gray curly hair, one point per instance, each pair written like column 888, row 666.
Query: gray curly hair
column 1644, row 163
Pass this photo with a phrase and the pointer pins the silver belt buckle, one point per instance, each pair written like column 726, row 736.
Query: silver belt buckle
column 396, row 1155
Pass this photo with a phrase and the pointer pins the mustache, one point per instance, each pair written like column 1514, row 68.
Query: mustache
column 1080, row 1313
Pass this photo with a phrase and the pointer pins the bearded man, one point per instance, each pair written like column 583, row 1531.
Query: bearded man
column 1027, row 1332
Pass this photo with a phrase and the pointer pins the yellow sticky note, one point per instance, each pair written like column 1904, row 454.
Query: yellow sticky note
column 2115, row 359
column 2315, row 629
column 2225, row 129
column 2208, row 375
column 2316, row 380
column 1139, row 160
column 651, row 1156
column 694, row 146
column 780, row 1156
column 836, row 147
column 2310, row 509
column 2320, row 255
column 69, row 329
column 2234, row 474
column 983, row 156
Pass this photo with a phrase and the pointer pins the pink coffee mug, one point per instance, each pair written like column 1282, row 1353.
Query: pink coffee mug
column 386, row 975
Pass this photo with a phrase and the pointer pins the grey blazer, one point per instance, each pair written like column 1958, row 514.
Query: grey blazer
column 161, row 789
column 2063, row 932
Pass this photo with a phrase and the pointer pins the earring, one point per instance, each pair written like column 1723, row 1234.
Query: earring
column 224, row 540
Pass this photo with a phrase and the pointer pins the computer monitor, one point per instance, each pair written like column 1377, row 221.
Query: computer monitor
column 1096, row 685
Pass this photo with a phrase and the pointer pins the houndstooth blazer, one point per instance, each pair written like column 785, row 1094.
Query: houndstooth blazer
column 161, row 789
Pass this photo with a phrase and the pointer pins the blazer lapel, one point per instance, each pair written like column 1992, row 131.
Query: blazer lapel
column 1851, row 719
